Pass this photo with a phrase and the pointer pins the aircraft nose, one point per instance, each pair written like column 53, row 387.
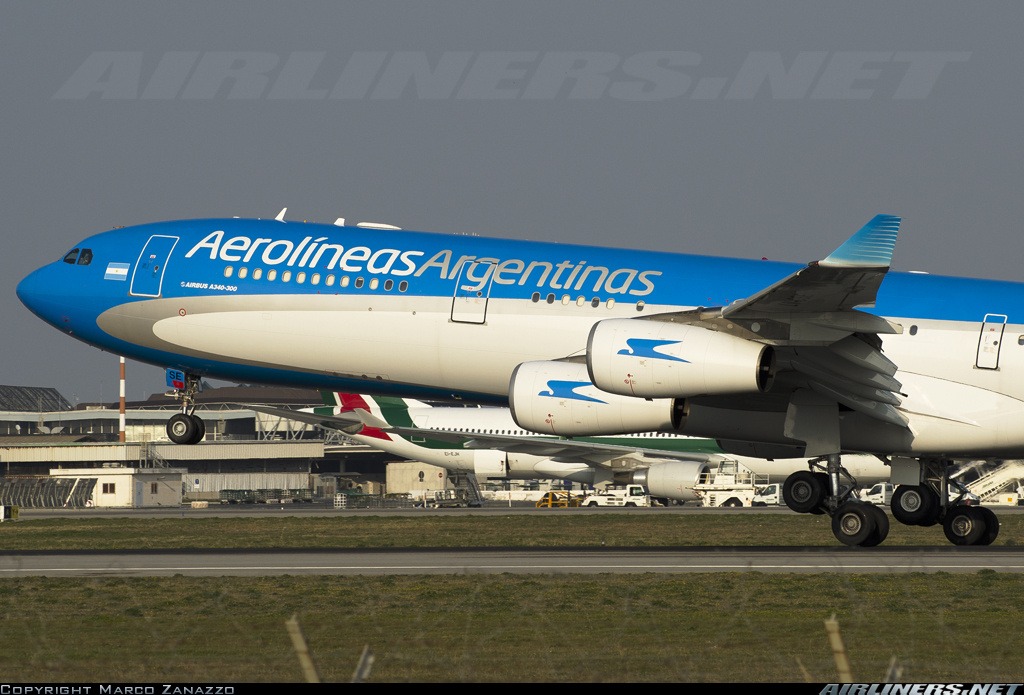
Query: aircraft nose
column 30, row 288
column 37, row 292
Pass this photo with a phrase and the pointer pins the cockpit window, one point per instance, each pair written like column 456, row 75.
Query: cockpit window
column 71, row 256
column 85, row 257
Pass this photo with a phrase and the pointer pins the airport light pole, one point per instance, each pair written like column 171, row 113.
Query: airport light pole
column 120, row 426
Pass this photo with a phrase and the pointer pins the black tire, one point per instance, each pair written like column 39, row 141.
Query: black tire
column 803, row 492
column 200, row 429
column 991, row 526
column 181, row 429
column 630, row 504
column 591, row 504
column 964, row 525
column 914, row 505
column 854, row 524
column 936, row 513
column 732, row 502
column 826, row 489
column 881, row 526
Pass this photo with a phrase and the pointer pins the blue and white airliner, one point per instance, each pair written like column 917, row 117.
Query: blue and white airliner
column 771, row 359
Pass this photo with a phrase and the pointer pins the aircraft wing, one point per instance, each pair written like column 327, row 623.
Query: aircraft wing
column 594, row 453
column 827, row 350
column 848, row 278
column 346, row 423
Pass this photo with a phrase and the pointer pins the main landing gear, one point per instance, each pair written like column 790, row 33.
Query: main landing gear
column 827, row 488
column 185, row 427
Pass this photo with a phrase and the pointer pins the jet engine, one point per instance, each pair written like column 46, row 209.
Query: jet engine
column 659, row 359
column 672, row 480
column 490, row 463
column 558, row 398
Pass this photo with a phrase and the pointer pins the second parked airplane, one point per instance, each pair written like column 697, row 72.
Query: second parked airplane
column 487, row 442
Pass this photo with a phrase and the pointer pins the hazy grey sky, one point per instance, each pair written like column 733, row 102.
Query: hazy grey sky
column 743, row 128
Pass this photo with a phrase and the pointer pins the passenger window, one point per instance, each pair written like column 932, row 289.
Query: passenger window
column 71, row 256
column 85, row 257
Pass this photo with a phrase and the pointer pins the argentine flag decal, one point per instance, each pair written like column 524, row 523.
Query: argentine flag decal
column 116, row 271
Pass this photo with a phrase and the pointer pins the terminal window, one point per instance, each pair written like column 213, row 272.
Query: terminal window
column 108, row 488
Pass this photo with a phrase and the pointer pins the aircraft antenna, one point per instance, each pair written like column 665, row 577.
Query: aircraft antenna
column 280, row 215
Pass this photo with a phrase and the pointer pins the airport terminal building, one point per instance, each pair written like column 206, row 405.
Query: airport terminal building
column 55, row 454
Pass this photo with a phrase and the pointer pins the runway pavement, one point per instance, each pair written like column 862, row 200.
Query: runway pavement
column 515, row 561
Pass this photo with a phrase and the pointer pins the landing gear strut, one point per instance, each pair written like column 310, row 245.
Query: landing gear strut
column 185, row 427
column 827, row 489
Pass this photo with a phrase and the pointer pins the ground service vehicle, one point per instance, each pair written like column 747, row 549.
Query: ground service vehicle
column 768, row 495
column 559, row 498
column 880, row 493
column 729, row 485
column 437, row 499
column 628, row 496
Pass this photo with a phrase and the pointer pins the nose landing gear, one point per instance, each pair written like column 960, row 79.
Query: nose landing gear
column 185, row 427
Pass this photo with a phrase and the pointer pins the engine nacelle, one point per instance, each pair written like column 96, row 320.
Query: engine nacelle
column 558, row 398
column 673, row 480
column 490, row 463
column 658, row 359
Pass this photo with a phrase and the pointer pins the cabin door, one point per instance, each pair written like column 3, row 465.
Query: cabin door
column 148, row 278
column 472, row 292
column 990, row 341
